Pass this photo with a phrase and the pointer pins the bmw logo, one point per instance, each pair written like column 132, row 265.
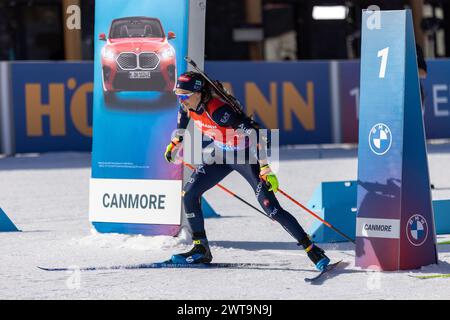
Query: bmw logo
column 380, row 139
column 417, row 230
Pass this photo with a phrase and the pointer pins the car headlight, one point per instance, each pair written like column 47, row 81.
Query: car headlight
column 108, row 54
column 167, row 53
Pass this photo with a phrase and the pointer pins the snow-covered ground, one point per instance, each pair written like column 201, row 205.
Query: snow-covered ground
column 47, row 197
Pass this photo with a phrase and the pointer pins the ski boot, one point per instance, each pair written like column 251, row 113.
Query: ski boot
column 316, row 254
column 200, row 253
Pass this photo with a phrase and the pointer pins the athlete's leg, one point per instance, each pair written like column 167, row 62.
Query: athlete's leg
column 202, row 179
column 274, row 211
column 269, row 202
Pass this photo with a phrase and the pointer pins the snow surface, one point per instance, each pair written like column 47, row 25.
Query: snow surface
column 47, row 197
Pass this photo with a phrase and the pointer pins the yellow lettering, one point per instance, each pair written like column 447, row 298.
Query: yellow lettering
column 293, row 102
column 257, row 103
column 79, row 109
column 35, row 110
column 228, row 87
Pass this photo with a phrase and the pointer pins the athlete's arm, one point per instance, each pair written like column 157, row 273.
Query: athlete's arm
column 182, row 123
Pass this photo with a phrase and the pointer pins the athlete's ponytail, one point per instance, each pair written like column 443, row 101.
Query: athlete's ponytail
column 207, row 93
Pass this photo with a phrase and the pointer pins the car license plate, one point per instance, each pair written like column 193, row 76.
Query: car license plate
column 139, row 75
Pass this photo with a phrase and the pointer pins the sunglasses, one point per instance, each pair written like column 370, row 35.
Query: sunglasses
column 184, row 96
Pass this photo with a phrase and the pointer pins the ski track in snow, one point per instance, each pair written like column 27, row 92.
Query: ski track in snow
column 47, row 197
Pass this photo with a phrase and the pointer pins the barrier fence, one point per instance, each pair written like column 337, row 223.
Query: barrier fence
column 47, row 106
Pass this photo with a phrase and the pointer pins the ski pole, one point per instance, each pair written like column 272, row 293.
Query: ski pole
column 315, row 215
column 287, row 196
column 228, row 191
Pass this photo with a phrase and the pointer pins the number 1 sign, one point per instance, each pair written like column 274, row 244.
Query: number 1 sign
column 384, row 56
column 395, row 227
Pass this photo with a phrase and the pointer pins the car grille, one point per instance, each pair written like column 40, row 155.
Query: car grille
column 148, row 60
column 144, row 60
column 127, row 61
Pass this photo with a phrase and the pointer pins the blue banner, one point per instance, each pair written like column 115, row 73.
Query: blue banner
column 436, row 91
column 291, row 96
column 53, row 100
column 134, row 117
column 437, row 99
column 52, row 106
column 139, row 51
column 349, row 100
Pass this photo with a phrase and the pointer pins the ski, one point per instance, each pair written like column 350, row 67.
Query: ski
column 444, row 242
column 161, row 265
column 433, row 276
column 326, row 270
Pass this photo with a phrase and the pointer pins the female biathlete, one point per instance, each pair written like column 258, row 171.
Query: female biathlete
column 215, row 118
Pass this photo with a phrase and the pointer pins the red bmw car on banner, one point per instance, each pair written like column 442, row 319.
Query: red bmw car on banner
column 137, row 57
